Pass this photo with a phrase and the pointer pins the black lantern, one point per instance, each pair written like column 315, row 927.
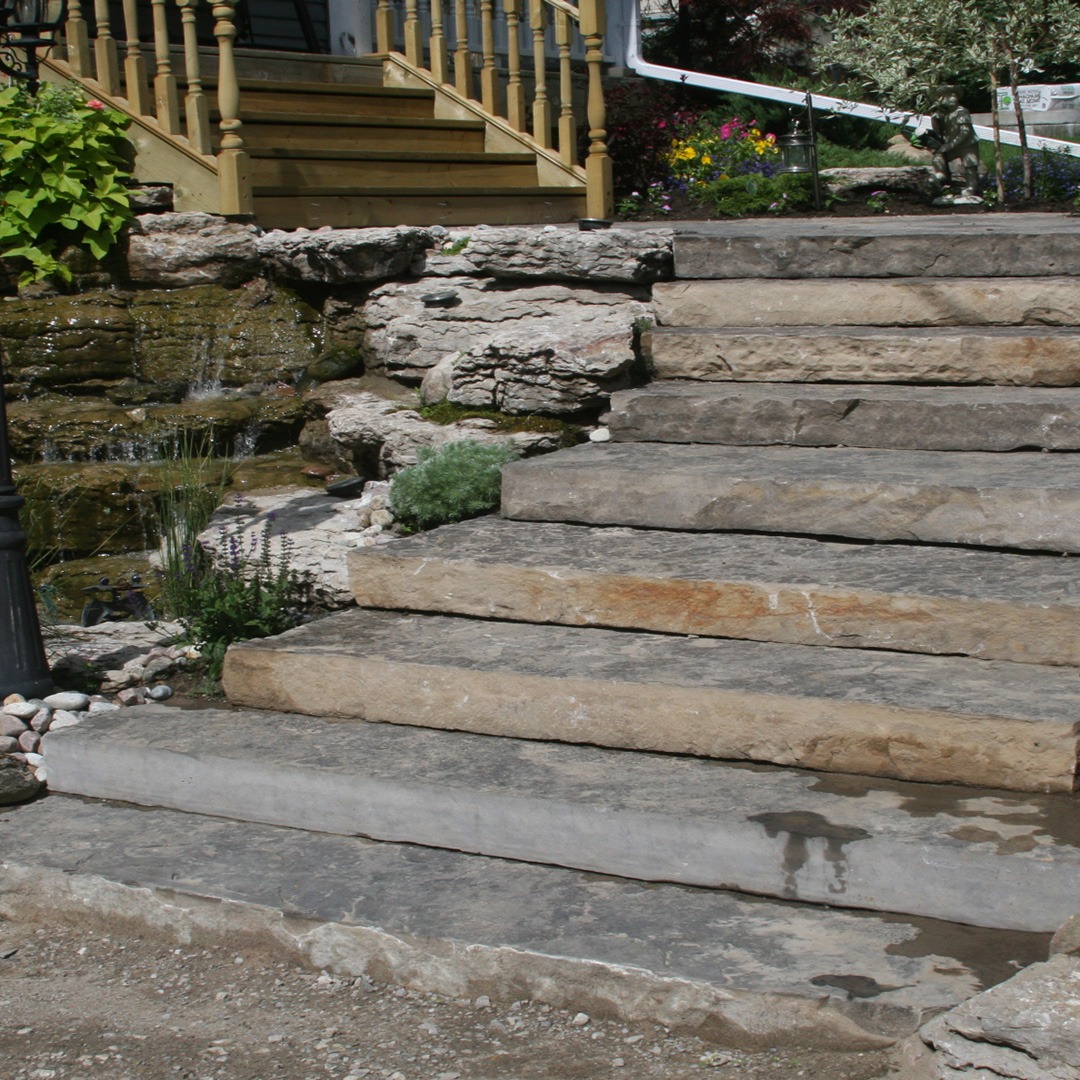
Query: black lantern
column 798, row 151
column 28, row 27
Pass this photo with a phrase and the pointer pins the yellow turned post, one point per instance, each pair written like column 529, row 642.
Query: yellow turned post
column 196, row 107
column 233, row 176
column 567, row 126
column 440, row 58
column 135, row 85
column 166, row 100
column 541, row 109
column 489, row 76
column 414, row 41
column 515, row 90
column 106, row 60
column 599, row 191
column 384, row 27
column 76, row 40
column 463, row 77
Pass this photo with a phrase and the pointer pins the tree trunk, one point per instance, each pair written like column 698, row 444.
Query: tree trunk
column 1021, row 128
column 999, row 164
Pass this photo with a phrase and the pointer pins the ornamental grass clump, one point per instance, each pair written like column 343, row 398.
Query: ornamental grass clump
column 455, row 482
column 64, row 167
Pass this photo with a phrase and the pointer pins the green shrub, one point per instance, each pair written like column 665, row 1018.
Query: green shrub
column 63, row 169
column 242, row 590
column 736, row 196
column 455, row 482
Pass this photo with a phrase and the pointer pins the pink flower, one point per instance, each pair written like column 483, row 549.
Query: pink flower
column 725, row 131
column 93, row 103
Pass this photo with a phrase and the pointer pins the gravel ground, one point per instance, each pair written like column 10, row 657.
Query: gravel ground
column 83, row 1004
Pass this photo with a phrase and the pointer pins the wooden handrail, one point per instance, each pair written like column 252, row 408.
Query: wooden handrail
column 434, row 31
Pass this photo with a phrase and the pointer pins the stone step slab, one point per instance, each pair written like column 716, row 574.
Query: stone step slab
column 1022, row 245
column 935, row 719
column 990, row 859
column 926, row 301
column 993, row 605
column 996, row 355
column 746, row 972
column 984, row 418
column 989, row 500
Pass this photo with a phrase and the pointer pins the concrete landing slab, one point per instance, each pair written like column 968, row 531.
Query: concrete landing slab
column 754, row 973
column 1011, row 301
column 994, row 605
column 938, row 719
column 999, row 355
column 990, row 500
column 986, row 858
column 983, row 245
column 981, row 418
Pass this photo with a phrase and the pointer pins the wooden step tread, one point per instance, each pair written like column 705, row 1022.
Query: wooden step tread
column 644, row 816
column 270, row 116
column 300, row 192
column 908, row 598
column 928, row 718
column 331, row 89
column 463, row 157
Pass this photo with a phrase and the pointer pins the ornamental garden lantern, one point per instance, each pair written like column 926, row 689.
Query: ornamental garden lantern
column 28, row 27
column 798, row 151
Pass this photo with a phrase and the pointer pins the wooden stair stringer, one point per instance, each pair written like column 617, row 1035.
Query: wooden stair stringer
column 159, row 155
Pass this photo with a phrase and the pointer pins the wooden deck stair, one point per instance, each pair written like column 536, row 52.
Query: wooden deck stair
column 334, row 146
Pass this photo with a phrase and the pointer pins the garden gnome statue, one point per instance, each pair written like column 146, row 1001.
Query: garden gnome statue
column 956, row 142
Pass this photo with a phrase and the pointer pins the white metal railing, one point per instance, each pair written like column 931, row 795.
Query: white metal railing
column 825, row 102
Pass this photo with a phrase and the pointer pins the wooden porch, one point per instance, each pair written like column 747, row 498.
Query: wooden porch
column 426, row 130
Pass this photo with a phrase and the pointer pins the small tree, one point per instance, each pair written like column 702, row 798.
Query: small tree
column 904, row 49
column 1015, row 37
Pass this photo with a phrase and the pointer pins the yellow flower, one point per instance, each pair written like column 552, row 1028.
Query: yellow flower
column 687, row 153
column 706, row 160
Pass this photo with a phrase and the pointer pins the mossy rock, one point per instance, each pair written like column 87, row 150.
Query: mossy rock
column 43, row 430
column 63, row 342
column 167, row 339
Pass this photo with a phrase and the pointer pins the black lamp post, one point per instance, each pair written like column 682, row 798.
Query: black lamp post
column 23, row 667
column 28, row 27
column 798, row 151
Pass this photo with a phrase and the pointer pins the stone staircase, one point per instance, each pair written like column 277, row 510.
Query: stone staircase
column 792, row 660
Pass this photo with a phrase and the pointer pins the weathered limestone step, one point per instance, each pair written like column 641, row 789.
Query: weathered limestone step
column 745, row 971
column 1020, row 245
column 992, row 418
column 999, row 355
column 986, row 858
column 994, row 605
column 1010, row 301
column 938, row 719
column 991, row 500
